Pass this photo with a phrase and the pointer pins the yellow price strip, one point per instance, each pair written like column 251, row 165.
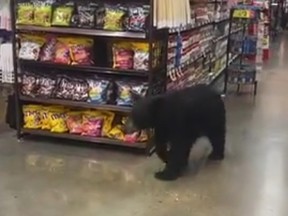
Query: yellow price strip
column 245, row 14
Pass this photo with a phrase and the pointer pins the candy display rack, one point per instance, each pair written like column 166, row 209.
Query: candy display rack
column 246, row 46
column 154, row 75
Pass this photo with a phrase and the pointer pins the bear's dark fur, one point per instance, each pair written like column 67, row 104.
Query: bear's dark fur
column 179, row 118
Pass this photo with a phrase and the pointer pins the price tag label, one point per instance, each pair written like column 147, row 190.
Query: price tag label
column 244, row 14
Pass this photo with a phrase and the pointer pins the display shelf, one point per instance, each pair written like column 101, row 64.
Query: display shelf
column 236, row 30
column 78, row 104
column 189, row 27
column 226, row 19
column 84, row 138
column 84, row 68
column 220, row 38
column 102, row 51
column 234, row 58
column 81, row 31
column 217, row 75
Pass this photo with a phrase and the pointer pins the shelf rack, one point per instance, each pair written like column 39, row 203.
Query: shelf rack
column 155, row 76
column 215, row 74
column 243, row 73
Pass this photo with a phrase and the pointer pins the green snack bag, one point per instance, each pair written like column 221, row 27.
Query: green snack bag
column 62, row 16
column 25, row 14
column 43, row 14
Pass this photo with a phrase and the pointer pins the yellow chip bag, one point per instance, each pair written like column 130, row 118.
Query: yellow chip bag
column 32, row 116
column 117, row 133
column 45, row 121
column 108, row 120
column 57, row 120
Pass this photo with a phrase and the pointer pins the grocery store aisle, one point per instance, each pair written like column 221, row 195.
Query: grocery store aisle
column 40, row 178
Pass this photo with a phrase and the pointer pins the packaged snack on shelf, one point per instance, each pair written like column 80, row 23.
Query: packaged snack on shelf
column 98, row 91
column 141, row 56
column 137, row 17
column 100, row 16
column 92, row 123
column 139, row 91
column 128, row 91
column 85, row 15
column 31, row 46
column 114, row 17
column 117, row 133
column 132, row 135
column 64, row 88
column 57, row 119
column 108, row 121
column 62, row 15
column 71, row 89
column 124, row 96
column 80, row 90
column 25, row 13
column 47, row 53
column 62, row 51
column 74, row 122
column 81, row 50
column 123, row 56
column 32, row 116
column 42, row 13
column 29, row 84
column 46, row 86
column 45, row 121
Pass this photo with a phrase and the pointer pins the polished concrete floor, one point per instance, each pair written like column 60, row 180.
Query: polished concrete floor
column 44, row 179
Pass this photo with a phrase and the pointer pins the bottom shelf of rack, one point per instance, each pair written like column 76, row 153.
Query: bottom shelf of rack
column 97, row 140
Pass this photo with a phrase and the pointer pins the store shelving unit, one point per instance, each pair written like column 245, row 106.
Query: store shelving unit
column 244, row 47
column 155, row 76
column 213, row 59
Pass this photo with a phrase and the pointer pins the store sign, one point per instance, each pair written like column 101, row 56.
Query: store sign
column 242, row 14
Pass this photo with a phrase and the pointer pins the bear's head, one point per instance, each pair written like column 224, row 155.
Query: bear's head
column 145, row 111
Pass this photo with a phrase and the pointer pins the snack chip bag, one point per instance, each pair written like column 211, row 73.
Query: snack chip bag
column 42, row 14
column 113, row 19
column 62, row 52
column 74, row 122
column 131, row 138
column 117, row 133
column 32, row 116
column 127, row 92
column 48, row 50
column 92, row 124
column 45, row 121
column 31, row 46
column 57, row 119
column 29, row 84
column 98, row 91
column 137, row 16
column 141, row 56
column 108, row 121
column 123, row 56
column 62, row 15
column 81, row 51
column 25, row 13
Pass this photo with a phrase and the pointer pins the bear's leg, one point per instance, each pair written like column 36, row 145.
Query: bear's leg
column 160, row 142
column 217, row 140
column 177, row 162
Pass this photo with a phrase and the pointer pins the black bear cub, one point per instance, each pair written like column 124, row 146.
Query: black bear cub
column 179, row 118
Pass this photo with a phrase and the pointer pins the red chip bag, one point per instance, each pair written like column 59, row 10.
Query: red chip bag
column 74, row 122
column 62, row 53
column 92, row 124
column 123, row 56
